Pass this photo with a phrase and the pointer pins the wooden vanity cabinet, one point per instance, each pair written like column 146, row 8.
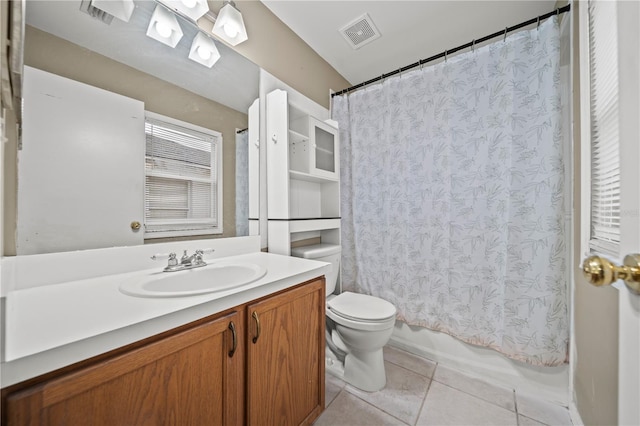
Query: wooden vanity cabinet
column 210, row 372
column 194, row 377
column 285, row 357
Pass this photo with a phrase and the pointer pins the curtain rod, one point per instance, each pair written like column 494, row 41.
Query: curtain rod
column 456, row 49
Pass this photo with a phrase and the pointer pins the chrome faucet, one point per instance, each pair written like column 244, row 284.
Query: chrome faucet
column 194, row 260
column 186, row 261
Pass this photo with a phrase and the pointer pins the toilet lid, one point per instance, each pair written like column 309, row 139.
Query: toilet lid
column 361, row 307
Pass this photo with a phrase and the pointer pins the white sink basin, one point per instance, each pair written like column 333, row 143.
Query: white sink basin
column 207, row 279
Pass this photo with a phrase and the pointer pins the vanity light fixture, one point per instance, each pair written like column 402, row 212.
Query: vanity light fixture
column 164, row 27
column 121, row 9
column 229, row 25
column 204, row 50
column 193, row 9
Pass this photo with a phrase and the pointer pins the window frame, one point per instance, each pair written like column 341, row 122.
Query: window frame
column 217, row 182
column 586, row 246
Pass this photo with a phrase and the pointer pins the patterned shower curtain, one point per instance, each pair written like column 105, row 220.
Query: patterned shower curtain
column 242, row 184
column 453, row 193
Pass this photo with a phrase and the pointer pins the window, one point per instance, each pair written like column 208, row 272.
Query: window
column 600, row 125
column 183, row 179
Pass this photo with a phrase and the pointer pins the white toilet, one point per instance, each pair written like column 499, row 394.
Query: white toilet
column 358, row 326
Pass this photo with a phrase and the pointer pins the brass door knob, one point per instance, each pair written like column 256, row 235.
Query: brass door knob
column 600, row 272
column 135, row 225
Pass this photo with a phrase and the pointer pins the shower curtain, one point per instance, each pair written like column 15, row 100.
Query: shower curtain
column 453, row 196
column 242, row 184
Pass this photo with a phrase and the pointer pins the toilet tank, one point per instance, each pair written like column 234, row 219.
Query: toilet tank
column 325, row 253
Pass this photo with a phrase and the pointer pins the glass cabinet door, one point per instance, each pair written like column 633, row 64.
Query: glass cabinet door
column 324, row 149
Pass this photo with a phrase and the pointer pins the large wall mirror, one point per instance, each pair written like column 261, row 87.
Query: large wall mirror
column 65, row 38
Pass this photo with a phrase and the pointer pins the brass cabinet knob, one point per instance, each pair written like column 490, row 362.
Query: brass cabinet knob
column 135, row 225
column 600, row 272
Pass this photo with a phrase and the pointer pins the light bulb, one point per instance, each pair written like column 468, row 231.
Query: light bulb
column 204, row 53
column 189, row 3
column 231, row 29
column 163, row 29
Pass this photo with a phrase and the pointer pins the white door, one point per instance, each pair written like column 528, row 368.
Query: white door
column 628, row 20
column 629, row 303
column 81, row 167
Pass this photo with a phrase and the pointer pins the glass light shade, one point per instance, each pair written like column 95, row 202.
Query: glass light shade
column 229, row 25
column 204, row 50
column 193, row 9
column 121, row 9
column 164, row 27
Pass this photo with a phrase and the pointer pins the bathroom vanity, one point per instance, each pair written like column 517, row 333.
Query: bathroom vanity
column 251, row 355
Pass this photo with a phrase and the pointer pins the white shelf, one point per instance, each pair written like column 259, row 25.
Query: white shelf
column 295, row 137
column 293, row 174
column 305, row 225
column 323, row 150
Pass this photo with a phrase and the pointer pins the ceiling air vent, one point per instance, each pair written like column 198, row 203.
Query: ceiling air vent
column 360, row 31
column 94, row 12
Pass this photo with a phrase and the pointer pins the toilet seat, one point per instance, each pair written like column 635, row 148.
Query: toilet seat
column 361, row 311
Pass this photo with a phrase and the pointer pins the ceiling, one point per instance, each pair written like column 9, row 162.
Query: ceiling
column 410, row 30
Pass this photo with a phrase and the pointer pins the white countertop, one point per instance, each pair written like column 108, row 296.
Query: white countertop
column 48, row 327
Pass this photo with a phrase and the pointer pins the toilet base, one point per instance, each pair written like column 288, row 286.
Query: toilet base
column 365, row 370
column 333, row 365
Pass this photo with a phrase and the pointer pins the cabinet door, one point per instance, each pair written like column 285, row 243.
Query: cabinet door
column 190, row 378
column 285, row 349
column 325, row 160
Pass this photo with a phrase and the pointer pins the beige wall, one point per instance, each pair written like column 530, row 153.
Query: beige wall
column 10, row 188
column 55, row 55
column 9, row 129
column 279, row 51
column 595, row 310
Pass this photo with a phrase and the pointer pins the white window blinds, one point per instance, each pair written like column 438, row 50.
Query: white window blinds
column 182, row 189
column 605, row 153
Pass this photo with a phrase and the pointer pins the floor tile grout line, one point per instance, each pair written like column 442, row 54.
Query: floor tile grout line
column 412, row 371
column 426, row 395
column 481, row 399
column 535, row 420
column 432, row 379
column 476, row 396
column 409, row 369
column 433, row 375
column 377, row 408
column 333, row 400
column 515, row 407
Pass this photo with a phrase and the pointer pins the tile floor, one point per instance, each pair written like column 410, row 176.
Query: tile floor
column 421, row 392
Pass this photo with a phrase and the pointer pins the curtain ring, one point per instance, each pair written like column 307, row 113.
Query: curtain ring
column 538, row 27
column 505, row 34
column 473, row 45
column 445, row 56
column 400, row 71
column 557, row 11
column 421, row 64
